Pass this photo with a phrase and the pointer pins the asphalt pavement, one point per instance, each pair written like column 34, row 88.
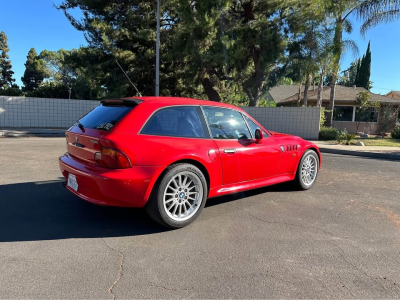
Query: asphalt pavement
column 341, row 239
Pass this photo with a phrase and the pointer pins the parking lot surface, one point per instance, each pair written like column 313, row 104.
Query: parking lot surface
column 340, row 239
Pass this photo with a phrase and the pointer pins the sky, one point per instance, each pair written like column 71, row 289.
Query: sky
column 37, row 24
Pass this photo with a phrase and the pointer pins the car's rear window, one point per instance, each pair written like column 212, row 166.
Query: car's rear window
column 104, row 117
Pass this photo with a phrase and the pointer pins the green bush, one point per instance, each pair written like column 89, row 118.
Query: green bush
column 342, row 135
column 11, row 91
column 349, row 138
column 267, row 103
column 328, row 133
column 322, row 120
column 395, row 133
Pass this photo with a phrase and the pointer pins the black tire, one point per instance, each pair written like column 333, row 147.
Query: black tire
column 298, row 182
column 155, row 205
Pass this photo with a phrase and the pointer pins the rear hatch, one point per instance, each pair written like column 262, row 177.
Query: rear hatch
column 83, row 138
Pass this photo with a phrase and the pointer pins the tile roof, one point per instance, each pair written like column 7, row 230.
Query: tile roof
column 282, row 92
column 343, row 93
column 397, row 92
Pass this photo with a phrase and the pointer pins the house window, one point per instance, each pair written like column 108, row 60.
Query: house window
column 343, row 113
column 370, row 115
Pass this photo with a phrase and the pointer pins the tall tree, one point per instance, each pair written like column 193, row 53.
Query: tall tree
column 358, row 71
column 351, row 74
column 126, row 31
column 371, row 12
column 6, row 73
column 225, row 47
column 257, row 44
column 198, row 45
column 84, row 73
column 363, row 79
column 35, row 71
column 230, row 45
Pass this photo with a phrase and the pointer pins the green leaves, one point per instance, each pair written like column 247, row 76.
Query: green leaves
column 35, row 71
column 6, row 73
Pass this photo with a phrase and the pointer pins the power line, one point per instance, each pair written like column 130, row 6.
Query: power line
column 382, row 88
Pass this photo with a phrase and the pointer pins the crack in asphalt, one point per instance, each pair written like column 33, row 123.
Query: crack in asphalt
column 168, row 289
column 393, row 217
column 121, row 268
column 342, row 255
column 390, row 215
column 343, row 285
column 247, row 276
column 285, row 223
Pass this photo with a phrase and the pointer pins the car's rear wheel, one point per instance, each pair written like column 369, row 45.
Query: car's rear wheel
column 307, row 170
column 179, row 197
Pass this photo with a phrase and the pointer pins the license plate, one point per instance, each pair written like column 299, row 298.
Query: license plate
column 72, row 183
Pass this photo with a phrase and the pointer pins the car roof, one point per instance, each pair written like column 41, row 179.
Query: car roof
column 183, row 101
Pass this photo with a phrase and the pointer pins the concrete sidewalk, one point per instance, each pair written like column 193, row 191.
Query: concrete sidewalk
column 32, row 132
column 365, row 151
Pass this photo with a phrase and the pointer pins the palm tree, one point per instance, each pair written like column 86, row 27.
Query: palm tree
column 324, row 49
column 371, row 12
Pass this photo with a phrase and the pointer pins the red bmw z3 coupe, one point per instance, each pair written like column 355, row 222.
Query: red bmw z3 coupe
column 170, row 155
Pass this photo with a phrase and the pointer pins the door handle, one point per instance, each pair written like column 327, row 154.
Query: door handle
column 232, row 151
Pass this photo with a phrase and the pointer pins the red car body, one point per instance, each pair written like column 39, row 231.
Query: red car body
column 254, row 164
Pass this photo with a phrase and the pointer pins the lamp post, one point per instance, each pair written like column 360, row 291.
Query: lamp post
column 158, row 51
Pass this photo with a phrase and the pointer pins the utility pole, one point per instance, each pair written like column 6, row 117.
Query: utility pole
column 158, row 51
column 69, row 91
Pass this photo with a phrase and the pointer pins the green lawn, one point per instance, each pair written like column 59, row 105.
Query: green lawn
column 386, row 142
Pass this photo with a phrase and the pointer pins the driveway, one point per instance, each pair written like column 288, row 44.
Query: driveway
column 339, row 240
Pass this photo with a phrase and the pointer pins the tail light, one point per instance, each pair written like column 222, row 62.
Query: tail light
column 112, row 158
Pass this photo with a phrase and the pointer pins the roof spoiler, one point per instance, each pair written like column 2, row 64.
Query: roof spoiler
column 121, row 101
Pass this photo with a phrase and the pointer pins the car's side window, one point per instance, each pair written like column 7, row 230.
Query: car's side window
column 226, row 123
column 253, row 126
column 178, row 121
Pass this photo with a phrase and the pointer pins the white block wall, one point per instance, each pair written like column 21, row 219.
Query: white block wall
column 300, row 121
column 17, row 112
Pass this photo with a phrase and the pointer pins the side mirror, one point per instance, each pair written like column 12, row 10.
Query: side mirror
column 258, row 135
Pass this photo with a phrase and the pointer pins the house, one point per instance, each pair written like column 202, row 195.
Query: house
column 393, row 94
column 346, row 114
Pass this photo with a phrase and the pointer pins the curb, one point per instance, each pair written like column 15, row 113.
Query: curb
column 30, row 134
column 388, row 156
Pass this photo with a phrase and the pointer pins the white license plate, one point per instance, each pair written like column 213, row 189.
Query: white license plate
column 72, row 183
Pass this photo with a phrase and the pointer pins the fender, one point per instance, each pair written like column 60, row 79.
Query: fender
column 313, row 147
column 188, row 158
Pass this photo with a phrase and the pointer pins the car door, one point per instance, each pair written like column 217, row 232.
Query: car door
column 242, row 158
column 268, row 153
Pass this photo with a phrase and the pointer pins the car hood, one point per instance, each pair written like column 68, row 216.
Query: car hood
column 278, row 135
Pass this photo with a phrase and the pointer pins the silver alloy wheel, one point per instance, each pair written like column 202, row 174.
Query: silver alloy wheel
column 309, row 170
column 183, row 196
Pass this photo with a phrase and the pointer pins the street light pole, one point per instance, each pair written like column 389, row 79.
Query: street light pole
column 158, row 51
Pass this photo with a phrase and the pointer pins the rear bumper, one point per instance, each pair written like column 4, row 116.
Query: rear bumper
column 125, row 188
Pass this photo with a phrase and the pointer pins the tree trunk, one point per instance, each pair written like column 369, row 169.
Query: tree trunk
column 306, row 87
column 320, row 86
column 329, row 119
column 337, row 53
column 256, row 86
column 299, row 95
column 252, row 101
column 212, row 93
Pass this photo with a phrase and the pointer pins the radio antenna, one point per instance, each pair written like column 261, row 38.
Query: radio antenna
column 140, row 95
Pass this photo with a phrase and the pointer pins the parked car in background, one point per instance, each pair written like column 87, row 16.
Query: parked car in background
column 170, row 155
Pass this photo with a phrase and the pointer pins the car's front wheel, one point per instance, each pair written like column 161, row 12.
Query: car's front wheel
column 179, row 197
column 307, row 170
